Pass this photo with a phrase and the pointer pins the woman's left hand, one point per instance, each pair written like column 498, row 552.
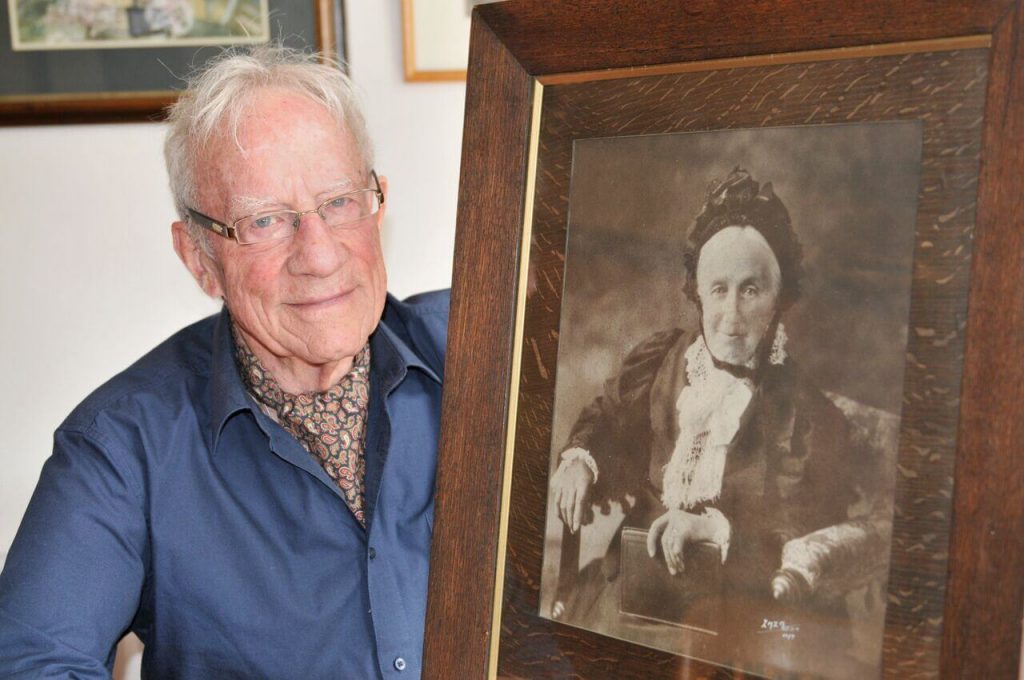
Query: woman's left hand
column 674, row 529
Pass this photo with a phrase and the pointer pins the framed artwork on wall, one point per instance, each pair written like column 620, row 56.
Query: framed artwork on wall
column 46, row 25
column 71, row 61
column 725, row 393
column 435, row 38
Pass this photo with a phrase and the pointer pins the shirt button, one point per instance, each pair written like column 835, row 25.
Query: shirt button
column 373, row 554
column 399, row 664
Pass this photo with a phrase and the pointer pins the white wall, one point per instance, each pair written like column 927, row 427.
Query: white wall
column 89, row 279
column 418, row 132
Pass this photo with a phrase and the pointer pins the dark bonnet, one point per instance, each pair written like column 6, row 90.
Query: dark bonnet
column 739, row 201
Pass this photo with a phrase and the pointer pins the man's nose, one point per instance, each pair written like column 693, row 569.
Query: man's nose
column 316, row 248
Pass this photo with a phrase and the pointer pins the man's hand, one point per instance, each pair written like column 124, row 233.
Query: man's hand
column 674, row 530
column 571, row 486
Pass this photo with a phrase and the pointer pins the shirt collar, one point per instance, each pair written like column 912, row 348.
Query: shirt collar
column 391, row 358
column 399, row 350
column 227, row 393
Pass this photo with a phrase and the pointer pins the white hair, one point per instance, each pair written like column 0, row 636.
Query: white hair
column 220, row 93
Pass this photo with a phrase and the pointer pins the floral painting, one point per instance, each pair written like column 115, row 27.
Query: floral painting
column 92, row 24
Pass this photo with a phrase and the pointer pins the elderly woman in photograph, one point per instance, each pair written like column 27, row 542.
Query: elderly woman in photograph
column 716, row 444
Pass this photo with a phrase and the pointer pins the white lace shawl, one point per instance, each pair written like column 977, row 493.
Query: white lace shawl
column 710, row 408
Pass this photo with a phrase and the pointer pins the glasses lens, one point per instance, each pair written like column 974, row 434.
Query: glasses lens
column 349, row 208
column 266, row 227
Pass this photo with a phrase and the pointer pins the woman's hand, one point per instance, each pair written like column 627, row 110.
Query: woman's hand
column 674, row 530
column 571, row 486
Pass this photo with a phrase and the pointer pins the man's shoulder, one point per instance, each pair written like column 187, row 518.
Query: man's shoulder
column 430, row 305
column 421, row 321
column 169, row 371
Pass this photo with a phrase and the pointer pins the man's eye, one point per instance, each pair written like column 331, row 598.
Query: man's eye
column 340, row 203
column 266, row 221
column 750, row 291
column 718, row 290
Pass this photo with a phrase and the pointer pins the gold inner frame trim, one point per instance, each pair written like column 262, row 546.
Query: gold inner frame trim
column 881, row 50
column 514, row 376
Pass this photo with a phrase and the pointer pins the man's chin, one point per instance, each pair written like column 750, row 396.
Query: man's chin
column 328, row 353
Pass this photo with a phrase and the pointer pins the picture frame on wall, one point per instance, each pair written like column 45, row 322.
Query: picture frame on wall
column 46, row 25
column 435, row 39
column 855, row 449
column 118, row 63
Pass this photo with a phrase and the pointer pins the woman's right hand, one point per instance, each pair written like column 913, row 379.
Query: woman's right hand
column 571, row 487
column 673, row 530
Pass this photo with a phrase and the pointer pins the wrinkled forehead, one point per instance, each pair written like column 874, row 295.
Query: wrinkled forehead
column 277, row 116
column 738, row 252
column 279, row 139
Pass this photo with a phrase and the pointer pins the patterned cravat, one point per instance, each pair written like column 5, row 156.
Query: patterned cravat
column 330, row 425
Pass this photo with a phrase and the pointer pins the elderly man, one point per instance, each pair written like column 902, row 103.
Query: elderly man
column 254, row 497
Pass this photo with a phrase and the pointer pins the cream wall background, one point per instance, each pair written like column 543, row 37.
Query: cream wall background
column 89, row 279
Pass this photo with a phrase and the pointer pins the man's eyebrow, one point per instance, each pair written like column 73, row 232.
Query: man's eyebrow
column 249, row 205
column 339, row 187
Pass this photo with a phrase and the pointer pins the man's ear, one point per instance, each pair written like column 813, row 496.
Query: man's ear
column 202, row 267
column 384, row 202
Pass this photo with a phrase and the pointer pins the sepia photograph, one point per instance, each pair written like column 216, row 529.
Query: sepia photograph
column 729, row 385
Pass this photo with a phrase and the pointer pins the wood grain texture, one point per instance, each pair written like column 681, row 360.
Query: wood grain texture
column 557, row 37
column 521, row 38
column 982, row 637
column 490, row 217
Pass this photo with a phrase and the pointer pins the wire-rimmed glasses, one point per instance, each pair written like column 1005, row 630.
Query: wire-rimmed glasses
column 344, row 210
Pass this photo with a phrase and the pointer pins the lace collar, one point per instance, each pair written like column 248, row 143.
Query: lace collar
column 709, row 411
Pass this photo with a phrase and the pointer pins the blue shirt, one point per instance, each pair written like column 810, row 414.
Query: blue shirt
column 174, row 507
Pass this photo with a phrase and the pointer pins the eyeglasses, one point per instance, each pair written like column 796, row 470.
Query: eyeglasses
column 343, row 210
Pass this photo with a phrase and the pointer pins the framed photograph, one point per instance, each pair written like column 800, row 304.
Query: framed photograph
column 435, row 38
column 654, row 395
column 732, row 371
column 107, row 60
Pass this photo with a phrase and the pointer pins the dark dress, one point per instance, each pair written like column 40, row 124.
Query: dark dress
column 791, row 469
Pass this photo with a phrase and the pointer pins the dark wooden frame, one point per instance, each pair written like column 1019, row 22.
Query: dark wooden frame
column 148, row 104
column 516, row 42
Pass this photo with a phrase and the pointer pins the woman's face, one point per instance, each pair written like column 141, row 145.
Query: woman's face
column 738, row 282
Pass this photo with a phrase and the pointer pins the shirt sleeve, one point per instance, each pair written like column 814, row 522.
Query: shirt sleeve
column 72, row 581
